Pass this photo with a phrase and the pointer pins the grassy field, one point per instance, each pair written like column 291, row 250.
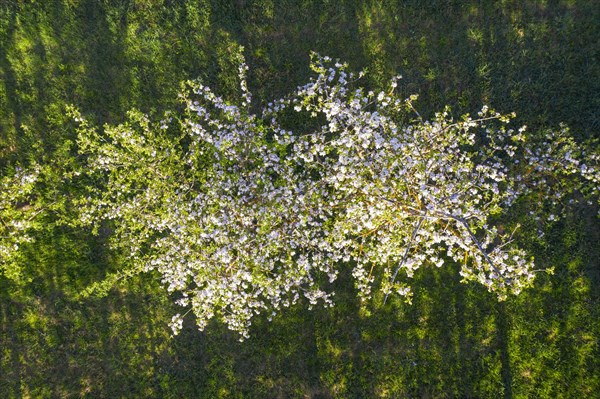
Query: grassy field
column 537, row 58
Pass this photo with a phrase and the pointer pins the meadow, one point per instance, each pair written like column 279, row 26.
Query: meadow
column 538, row 58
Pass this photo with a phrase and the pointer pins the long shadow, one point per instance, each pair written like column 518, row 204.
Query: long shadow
column 502, row 329
column 575, row 301
column 7, row 41
column 543, row 61
column 540, row 60
column 12, row 368
column 106, row 79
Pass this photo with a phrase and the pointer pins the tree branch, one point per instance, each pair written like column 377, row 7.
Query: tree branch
column 475, row 240
column 412, row 238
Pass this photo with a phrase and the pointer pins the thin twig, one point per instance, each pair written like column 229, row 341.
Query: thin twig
column 412, row 238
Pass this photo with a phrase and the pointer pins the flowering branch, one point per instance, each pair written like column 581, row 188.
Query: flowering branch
column 244, row 213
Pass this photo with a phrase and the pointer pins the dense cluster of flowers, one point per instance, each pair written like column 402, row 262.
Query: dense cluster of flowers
column 245, row 213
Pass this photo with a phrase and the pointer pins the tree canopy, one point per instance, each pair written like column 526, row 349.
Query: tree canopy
column 244, row 212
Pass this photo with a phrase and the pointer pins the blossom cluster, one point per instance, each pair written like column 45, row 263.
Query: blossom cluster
column 243, row 213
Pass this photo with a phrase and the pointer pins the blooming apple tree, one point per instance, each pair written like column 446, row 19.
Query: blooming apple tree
column 242, row 213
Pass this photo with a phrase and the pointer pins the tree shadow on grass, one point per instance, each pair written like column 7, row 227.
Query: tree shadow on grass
column 10, row 131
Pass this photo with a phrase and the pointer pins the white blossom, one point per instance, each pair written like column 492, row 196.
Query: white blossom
column 241, row 214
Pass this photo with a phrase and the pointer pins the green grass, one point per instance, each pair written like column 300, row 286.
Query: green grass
column 538, row 58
